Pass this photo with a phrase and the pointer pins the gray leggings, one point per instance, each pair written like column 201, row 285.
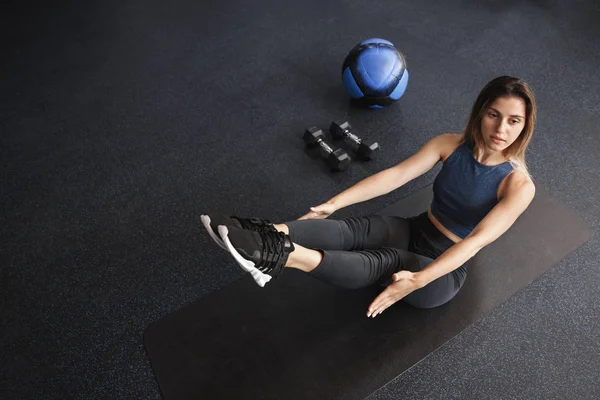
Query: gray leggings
column 358, row 252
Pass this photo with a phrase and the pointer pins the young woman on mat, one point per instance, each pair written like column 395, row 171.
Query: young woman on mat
column 482, row 188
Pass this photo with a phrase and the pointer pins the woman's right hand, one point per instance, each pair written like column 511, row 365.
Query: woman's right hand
column 320, row 212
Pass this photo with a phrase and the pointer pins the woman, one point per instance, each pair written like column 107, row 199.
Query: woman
column 482, row 188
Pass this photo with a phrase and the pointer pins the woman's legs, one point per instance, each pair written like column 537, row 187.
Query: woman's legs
column 356, row 245
column 358, row 269
column 356, row 252
column 349, row 234
column 355, row 269
column 304, row 259
column 350, row 253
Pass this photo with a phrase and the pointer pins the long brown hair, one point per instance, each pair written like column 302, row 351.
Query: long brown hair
column 504, row 86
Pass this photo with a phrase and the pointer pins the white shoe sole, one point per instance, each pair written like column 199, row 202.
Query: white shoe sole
column 206, row 222
column 248, row 266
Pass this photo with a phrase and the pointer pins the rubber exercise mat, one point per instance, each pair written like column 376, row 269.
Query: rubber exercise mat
column 299, row 338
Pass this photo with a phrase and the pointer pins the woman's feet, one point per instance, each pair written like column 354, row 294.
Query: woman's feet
column 260, row 248
column 211, row 224
column 263, row 253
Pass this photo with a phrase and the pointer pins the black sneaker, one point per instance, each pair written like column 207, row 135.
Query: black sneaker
column 253, row 224
column 261, row 253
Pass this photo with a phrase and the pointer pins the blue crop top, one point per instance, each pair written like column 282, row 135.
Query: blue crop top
column 465, row 190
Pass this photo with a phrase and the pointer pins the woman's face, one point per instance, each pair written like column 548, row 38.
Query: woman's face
column 503, row 122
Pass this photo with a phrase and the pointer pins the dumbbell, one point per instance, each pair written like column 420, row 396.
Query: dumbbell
column 338, row 159
column 364, row 150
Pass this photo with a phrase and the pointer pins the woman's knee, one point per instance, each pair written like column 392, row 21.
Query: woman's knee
column 435, row 294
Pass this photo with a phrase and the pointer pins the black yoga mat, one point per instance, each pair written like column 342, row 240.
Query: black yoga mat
column 298, row 338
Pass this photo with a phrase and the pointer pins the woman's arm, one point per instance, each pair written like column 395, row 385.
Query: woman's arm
column 392, row 178
column 519, row 195
column 450, row 260
column 405, row 282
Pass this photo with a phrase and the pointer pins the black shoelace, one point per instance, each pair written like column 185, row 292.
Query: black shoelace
column 273, row 256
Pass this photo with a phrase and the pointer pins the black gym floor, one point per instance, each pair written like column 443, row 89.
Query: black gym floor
column 121, row 122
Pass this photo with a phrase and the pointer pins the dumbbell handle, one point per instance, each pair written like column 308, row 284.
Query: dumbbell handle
column 352, row 136
column 325, row 146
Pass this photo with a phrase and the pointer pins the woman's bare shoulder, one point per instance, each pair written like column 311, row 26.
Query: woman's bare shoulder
column 519, row 177
column 454, row 137
column 449, row 143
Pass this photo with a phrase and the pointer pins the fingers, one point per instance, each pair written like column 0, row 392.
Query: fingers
column 379, row 309
column 379, row 304
column 375, row 311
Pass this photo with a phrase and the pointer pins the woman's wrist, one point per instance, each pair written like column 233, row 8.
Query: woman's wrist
column 418, row 280
column 334, row 203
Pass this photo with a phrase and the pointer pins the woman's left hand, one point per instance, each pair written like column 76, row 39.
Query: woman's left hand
column 404, row 284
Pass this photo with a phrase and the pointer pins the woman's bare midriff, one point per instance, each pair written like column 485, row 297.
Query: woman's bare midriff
column 442, row 228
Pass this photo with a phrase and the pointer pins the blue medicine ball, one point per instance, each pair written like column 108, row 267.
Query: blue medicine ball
column 374, row 73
